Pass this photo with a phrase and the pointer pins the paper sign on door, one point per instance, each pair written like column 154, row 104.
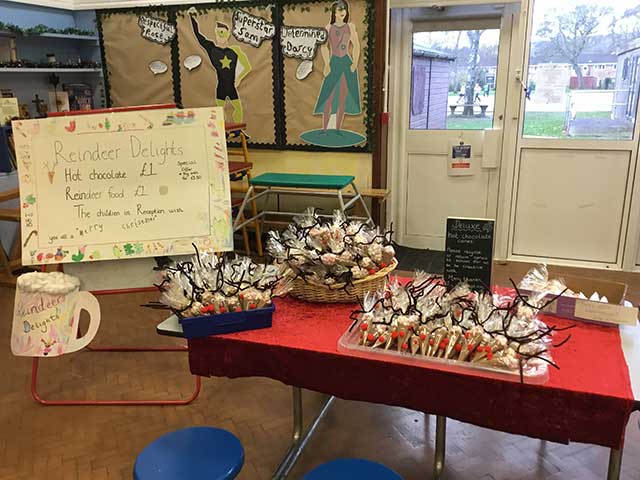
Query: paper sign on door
column 459, row 162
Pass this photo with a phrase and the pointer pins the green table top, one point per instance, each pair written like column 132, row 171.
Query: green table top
column 299, row 180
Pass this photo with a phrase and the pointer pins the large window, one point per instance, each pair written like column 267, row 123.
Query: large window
column 453, row 79
column 584, row 73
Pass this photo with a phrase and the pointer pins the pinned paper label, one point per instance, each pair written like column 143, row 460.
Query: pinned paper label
column 460, row 161
column 251, row 29
column 156, row 29
column 301, row 42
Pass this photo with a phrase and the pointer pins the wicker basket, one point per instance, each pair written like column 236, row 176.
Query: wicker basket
column 313, row 292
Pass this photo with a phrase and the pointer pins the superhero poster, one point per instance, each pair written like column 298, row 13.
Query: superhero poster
column 235, row 70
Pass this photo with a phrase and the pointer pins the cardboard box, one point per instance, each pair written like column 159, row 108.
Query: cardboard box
column 7, row 47
column 612, row 313
column 8, row 109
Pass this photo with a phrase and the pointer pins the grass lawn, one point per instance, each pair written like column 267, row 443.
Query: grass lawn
column 459, row 122
column 540, row 124
column 544, row 124
column 551, row 124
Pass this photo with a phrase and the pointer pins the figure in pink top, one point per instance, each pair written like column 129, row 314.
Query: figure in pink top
column 340, row 91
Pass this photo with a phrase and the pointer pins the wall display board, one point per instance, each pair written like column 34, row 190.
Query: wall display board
column 469, row 252
column 297, row 73
column 138, row 70
column 226, row 59
column 123, row 185
column 325, row 72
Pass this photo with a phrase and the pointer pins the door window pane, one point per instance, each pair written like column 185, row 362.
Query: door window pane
column 453, row 79
column 584, row 77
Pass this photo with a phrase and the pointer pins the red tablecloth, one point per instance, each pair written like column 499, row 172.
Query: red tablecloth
column 588, row 400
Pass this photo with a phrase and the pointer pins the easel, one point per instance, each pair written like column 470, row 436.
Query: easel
column 172, row 348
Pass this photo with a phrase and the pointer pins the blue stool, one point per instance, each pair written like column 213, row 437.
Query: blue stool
column 197, row 453
column 351, row 468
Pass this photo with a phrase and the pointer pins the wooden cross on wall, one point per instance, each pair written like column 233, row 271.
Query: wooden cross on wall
column 41, row 108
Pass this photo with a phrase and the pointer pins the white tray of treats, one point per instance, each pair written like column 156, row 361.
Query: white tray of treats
column 350, row 343
column 426, row 323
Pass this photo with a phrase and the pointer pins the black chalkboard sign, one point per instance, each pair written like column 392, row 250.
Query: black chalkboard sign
column 469, row 252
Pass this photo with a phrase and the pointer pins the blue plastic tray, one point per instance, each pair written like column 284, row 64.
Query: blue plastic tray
column 219, row 323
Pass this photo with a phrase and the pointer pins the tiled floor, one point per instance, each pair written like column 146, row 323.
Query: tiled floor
column 49, row 443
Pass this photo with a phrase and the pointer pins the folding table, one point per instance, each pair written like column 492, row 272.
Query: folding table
column 588, row 400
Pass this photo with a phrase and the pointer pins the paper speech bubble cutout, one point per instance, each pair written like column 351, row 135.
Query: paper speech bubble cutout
column 192, row 62
column 158, row 67
column 304, row 69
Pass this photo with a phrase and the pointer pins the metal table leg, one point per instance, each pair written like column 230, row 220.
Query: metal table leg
column 441, row 440
column 299, row 439
column 615, row 464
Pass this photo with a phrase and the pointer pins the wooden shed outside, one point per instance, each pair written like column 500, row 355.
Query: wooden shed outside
column 429, row 89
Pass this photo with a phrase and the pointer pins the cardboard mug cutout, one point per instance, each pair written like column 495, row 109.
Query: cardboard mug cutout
column 46, row 315
column 340, row 91
column 229, row 61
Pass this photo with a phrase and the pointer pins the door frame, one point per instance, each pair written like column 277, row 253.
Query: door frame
column 401, row 22
column 514, row 143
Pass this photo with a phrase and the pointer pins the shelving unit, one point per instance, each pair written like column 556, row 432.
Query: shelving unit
column 69, row 36
column 26, row 82
column 51, row 70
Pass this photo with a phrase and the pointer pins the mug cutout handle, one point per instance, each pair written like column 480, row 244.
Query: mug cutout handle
column 89, row 303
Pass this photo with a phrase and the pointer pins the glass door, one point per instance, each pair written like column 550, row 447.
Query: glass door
column 576, row 153
column 448, row 85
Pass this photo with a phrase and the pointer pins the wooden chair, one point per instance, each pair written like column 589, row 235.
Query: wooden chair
column 12, row 261
column 239, row 173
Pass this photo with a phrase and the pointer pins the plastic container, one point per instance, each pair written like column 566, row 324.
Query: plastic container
column 349, row 344
column 206, row 325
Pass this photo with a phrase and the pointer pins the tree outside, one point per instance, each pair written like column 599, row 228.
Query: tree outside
column 581, row 63
column 584, row 70
column 569, row 34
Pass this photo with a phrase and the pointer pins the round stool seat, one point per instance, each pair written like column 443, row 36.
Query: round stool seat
column 350, row 468
column 197, row 453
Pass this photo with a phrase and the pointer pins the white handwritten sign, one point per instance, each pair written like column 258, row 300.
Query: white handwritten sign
column 156, row 29
column 251, row 29
column 301, row 42
column 123, row 185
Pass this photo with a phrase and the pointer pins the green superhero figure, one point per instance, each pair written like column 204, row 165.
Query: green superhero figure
column 225, row 59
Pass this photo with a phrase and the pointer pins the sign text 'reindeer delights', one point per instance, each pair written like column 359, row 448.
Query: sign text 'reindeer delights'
column 124, row 188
